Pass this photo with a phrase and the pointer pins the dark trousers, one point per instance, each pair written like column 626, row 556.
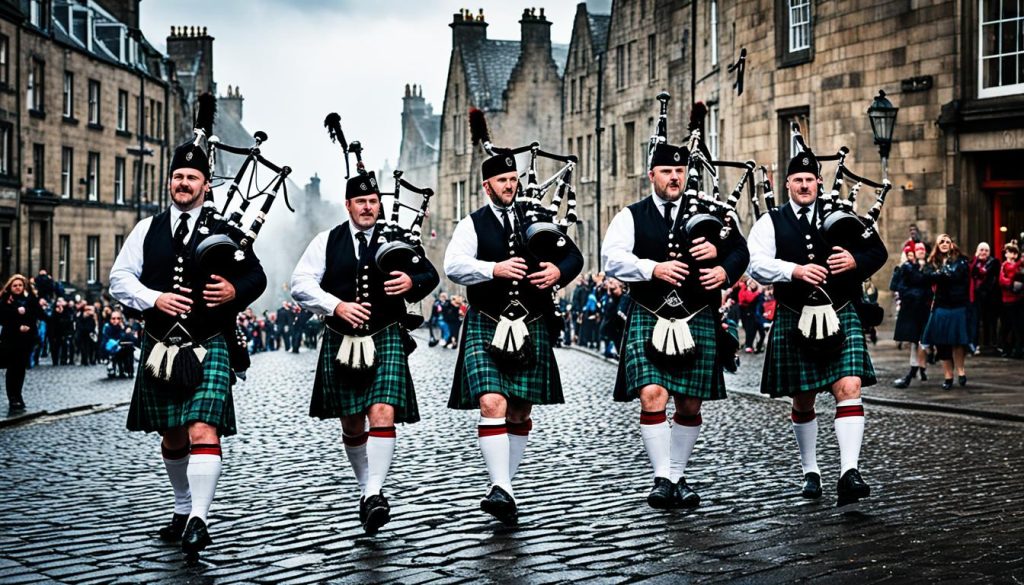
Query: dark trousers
column 1013, row 329
column 751, row 327
column 15, row 377
column 296, row 335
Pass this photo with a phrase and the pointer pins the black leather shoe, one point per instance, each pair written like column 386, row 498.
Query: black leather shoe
column 686, row 497
column 962, row 380
column 195, row 538
column 851, row 488
column 923, row 374
column 812, row 486
column 172, row 532
column 500, row 504
column 947, row 384
column 663, row 496
column 375, row 512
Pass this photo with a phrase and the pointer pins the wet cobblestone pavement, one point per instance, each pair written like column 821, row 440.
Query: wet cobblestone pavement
column 83, row 497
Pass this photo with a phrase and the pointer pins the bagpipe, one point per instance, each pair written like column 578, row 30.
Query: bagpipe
column 701, row 215
column 398, row 248
column 539, row 234
column 223, row 248
column 840, row 225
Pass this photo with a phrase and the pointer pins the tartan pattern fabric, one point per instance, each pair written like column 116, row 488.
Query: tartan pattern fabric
column 476, row 373
column 702, row 379
column 334, row 396
column 788, row 371
column 152, row 410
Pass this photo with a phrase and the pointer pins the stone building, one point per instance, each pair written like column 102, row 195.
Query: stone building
column 517, row 84
column 421, row 130
column 87, row 115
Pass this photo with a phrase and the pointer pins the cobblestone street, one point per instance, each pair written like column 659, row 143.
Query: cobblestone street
column 84, row 497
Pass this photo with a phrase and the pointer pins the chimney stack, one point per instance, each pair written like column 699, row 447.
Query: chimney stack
column 467, row 27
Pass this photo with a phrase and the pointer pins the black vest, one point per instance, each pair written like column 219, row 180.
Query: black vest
column 340, row 275
column 159, row 262
column 650, row 242
column 794, row 246
column 491, row 297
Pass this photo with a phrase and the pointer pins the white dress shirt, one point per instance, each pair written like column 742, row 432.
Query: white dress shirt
column 460, row 263
column 124, row 274
column 310, row 271
column 617, row 255
column 764, row 266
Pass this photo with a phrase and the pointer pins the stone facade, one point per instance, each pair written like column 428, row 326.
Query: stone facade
column 89, row 108
column 517, row 84
column 419, row 154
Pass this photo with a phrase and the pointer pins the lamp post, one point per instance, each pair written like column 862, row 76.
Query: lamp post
column 882, row 114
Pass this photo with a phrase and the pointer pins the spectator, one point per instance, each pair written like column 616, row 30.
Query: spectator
column 61, row 330
column 19, row 314
column 44, row 285
column 285, row 318
column 613, row 317
column 750, row 305
column 985, row 298
column 947, row 325
column 118, row 346
column 437, row 320
column 86, row 335
column 1011, row 282
column 450, row 314
column 915, row 295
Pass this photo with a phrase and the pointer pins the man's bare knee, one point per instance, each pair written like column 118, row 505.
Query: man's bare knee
column 382, row 415
column 203, row 434
column 847, row 388
column 493, row 405
column 353, row 425
column 653, row 398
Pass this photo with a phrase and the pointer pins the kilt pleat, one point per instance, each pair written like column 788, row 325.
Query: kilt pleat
column 787, row 369
column 153, row 410
column 335, row 395
column 476, row 373
column 703, row 378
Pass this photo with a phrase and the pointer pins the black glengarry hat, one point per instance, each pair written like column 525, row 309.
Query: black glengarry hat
column 804, row 162
column 668, row 155
column 190, row 156
column 497, row 165
column 362, row 185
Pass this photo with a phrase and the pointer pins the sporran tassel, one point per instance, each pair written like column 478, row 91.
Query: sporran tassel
column 357, row 352
column 186, row 370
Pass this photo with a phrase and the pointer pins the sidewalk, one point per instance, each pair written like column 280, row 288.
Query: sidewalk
column 995, row 386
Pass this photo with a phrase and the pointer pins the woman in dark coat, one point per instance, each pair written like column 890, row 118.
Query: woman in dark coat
column 947, row 325
column 915, row 292
column 19, row 316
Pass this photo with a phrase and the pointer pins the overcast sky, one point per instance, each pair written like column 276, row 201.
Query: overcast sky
column 296, row 61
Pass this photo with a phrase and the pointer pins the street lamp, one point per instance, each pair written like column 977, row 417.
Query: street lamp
column 883, row 120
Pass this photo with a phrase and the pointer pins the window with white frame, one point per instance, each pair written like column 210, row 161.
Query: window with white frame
column 69, row 95
column 5, row 58
column 6, row 149
column 799, row 25
column 64, row 258
column 94, row 101
column 35, row 12
column 713, row 30
column 1000, row 48
column 118, row 244
column 92, row 259
column 712, row 129
column 36, row 77
column 67, row 162
column 119, row 168
column 93, row 181
column 122, row 110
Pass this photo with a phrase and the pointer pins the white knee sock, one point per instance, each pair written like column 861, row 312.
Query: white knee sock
column 685, row 430
column 656, row 435
column 380, row 450
column 805, row 427
column 176, row 464
column 849, row 432
column 518, row 436
column 492, row 435
column 204, row 465
column 355, row 450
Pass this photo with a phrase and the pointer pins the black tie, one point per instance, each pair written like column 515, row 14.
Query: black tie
column 181, row 232
column 361, row 236
column 505, row 222
column 805, row 219
column 668, row 214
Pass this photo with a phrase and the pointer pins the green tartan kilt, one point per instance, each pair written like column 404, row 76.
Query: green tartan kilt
column 702, row 379
column 476, row 373
column 334, row 396
column 788, row 370
column 153, row 410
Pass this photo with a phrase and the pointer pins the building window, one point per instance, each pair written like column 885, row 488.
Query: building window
column 119, row 166
column 630, row 49
column 5, row 58
column 36, row 85
column 1001, row 49
column 39, row 166
column 92, row 192
column 151, row 112
column 457, row 199
column 122, row 110
column 713, row 30
column 652, row 57
column 92, row 259
column 620, row 66
column 69, row 94
column 572, row 96
column 629, row 157
column 712, row 129
column 614, row 152
column 159, row 120
column 94, row 102
column 67, row 175
column 35, row 13
column 788, row 147
column 118, row 244
column 6, row 149
column 588, row 166
column 795, row 37
column 64, row 258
